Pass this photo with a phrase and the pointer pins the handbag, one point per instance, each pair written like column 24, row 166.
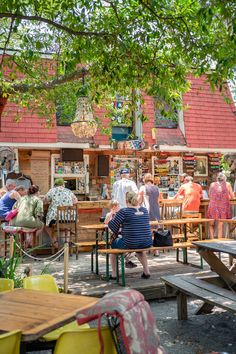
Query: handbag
column 162, row 238
column 11, row 214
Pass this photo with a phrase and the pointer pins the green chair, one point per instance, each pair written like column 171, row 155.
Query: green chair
column 6, row 284
column 85, row 341
column 46, row 282
column 10, row 342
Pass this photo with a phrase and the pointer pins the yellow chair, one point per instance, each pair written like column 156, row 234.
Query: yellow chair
column 85, row 342
column 46, row 282
column 10, row 342
column 6, row 284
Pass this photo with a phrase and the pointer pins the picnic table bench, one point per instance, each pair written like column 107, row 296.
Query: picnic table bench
column 211, row 294
column 120, row 256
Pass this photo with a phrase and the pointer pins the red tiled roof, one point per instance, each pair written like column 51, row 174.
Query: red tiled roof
column 209, row 121
column 167, row 136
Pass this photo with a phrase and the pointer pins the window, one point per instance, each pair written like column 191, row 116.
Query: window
column 121, row 133
column 122, row 121
column 165, row 115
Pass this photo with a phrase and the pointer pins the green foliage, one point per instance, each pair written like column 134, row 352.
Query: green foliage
column 124, row 45
column 8, row 268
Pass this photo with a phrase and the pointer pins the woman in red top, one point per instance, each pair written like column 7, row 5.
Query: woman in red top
column 219, row 207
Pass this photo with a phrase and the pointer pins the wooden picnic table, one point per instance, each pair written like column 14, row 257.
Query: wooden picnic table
column 207, row 251
column 36, row 313
column 214, row 291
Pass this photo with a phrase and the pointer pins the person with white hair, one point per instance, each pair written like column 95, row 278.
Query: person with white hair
column 9, row 198
column 219, row 207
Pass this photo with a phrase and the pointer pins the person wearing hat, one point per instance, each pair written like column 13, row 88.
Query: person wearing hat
column 57, row 196
column 123, row 186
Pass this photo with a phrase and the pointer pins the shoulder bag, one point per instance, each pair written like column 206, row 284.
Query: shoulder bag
column 162, row 238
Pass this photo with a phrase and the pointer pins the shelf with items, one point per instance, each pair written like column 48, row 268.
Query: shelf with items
column 166, row 171
column 132, row 163
column 74, row 173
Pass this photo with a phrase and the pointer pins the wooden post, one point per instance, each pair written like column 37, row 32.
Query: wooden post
column 66, row 266
column 182, row 311
column 11, row 249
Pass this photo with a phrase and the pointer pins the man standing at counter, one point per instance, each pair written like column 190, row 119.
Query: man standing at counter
column 122, row 186
column 119, row 190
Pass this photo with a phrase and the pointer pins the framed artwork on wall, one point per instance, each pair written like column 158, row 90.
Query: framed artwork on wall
column 201, row 167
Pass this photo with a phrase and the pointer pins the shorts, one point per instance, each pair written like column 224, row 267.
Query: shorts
column 118, row 243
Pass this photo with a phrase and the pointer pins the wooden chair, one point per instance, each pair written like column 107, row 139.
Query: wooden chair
column 171, row 209
column 67, row 222
column 194, row 231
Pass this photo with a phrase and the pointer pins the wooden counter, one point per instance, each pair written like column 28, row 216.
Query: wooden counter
column 97, row 204
column 204, row 205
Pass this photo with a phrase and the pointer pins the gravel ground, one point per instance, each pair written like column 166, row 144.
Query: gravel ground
column 199, row 334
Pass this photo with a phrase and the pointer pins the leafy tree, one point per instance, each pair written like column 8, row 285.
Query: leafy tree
column 121, row 44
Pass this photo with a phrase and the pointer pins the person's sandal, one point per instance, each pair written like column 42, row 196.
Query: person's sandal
column 145, row 276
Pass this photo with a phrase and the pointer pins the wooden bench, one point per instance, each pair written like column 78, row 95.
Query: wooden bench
column 94, row 246
column 120, row 256
column 211, row 294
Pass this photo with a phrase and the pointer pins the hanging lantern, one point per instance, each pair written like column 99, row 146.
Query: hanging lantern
column 84, row 125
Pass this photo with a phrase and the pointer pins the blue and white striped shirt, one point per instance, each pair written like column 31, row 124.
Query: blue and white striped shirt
column 135, row 228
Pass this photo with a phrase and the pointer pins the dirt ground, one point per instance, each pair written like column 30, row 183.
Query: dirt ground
column 199, row 334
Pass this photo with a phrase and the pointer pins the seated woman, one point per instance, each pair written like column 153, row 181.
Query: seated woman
column 30, row 210
column 135, row 231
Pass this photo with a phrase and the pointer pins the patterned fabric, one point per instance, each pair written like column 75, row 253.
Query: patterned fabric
column 135, row 228
column 58, row 196
column 137, row 323
column 30, row 208
column 219, row 206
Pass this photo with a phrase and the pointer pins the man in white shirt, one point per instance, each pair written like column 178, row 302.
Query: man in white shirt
column 119, row 190
column 121, row 187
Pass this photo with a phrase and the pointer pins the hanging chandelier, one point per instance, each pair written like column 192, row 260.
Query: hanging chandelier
column 84, row 125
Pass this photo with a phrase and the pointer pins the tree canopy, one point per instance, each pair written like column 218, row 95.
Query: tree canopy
column 120, row 44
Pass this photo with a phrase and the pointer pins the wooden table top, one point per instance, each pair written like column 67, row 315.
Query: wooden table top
column 218, row 246
column 181, row 221
column 98, row 227
column 230, row 221
column 36, row 313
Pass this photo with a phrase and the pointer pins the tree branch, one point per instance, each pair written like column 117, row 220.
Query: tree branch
column 54, row 24
column 7, row 41
column 49, row 85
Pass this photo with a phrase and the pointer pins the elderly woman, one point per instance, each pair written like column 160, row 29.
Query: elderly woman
column 135, row 231
column 57, row 196
column 219, row 207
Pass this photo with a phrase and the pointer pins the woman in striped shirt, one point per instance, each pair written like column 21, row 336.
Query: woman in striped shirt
column 135, row 231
